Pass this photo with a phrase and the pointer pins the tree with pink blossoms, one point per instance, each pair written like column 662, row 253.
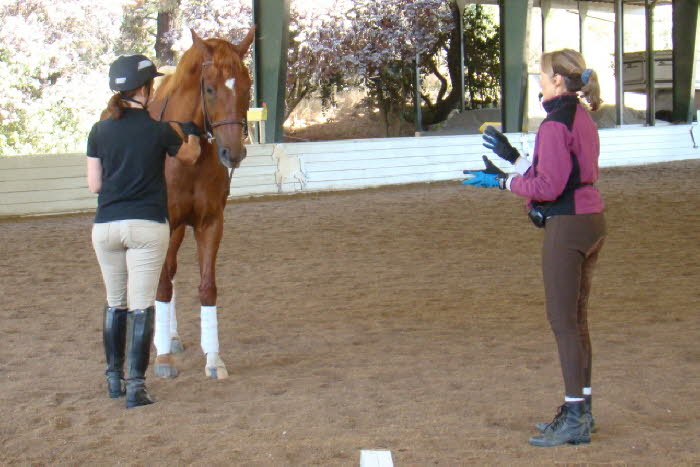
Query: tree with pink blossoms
column 54, row 57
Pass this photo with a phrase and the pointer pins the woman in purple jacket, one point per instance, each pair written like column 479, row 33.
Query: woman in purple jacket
column 562, row 198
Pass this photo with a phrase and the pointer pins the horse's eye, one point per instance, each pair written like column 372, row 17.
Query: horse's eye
column 209, row 90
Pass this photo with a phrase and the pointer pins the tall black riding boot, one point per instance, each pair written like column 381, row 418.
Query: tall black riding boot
column 114, row 339
column 588, row 404
column 140, row 335
column 570, row 426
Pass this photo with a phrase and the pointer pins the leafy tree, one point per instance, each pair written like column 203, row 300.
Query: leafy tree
column 381, row 43
column 314, row 64
column 54, row 57
column 150, row 25
column 228, row 19
column 52, row 60
column 380, row 40
column 167, row 22
column 481, row 59
column 138, row 28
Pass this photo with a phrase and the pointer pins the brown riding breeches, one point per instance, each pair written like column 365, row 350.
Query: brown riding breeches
column 569, row 254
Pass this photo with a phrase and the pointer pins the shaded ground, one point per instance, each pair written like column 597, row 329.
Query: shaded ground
column 406, row 318
column 354, row 123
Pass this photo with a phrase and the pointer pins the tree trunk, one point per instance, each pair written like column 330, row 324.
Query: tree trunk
column 439, row 111
column 294, row 98
column 168, row 12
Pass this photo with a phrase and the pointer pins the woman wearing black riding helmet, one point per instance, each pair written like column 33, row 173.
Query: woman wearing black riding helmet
column 126, row 153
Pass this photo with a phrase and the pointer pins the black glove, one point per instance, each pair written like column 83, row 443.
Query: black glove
column 492, row 169
column 498, row 143
column 190, row 128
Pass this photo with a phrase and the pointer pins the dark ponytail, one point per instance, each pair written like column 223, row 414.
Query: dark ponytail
column 117, row 104
column 115, row 107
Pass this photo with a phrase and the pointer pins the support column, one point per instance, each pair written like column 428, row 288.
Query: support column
column 619, row 62
column 461, row 60
column 545, row 8
column 582, row 15
column 461, row 4
column 685, row 18
column 514, row 37
column 417, row 100
column 270, row 70
column 651, row 65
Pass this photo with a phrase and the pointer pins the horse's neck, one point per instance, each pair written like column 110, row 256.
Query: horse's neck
column 178, row 102
column 184, row 106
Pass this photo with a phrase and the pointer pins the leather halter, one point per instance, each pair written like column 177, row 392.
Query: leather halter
column 208, row 124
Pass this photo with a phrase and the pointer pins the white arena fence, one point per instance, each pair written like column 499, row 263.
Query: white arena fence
column 56, row 184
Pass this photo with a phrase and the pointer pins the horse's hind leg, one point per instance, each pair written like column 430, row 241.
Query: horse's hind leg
column 166, row 339
column 208, row 238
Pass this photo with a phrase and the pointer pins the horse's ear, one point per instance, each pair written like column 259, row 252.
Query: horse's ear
column 247, row 40
column 199, row 44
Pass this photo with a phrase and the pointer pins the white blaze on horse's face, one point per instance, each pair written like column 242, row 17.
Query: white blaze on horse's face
column 230, row 83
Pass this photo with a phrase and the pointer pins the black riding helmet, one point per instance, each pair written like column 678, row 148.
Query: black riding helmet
column 130, row 72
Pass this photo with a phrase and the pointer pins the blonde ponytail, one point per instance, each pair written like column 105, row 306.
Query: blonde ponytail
column 591, row 91
column 572, row 67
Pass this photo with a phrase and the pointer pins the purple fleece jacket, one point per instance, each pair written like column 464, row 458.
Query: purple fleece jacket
column 566, row 138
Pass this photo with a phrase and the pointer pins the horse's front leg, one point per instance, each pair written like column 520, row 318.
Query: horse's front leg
column 166, row 339
column 208, row 238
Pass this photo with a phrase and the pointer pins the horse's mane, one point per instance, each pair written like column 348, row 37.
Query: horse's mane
column 224, row 57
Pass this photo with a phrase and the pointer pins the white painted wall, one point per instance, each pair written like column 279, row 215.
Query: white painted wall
column 54, row 184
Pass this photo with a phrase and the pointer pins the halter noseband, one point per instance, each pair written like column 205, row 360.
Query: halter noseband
column 209, row 125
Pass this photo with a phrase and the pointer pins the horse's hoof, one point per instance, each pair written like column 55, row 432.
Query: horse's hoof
column 164, row 367
column 165, row 371
column 176, row 345
column 216, row 368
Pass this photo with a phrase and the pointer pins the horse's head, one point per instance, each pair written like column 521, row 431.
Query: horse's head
column 225, row 94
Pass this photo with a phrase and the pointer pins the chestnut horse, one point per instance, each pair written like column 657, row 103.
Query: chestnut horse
column 210, row 87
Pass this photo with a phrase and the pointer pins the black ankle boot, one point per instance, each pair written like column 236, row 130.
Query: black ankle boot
column 570, row 426
column 140, row 335
column 588, row 403
column 114, row 340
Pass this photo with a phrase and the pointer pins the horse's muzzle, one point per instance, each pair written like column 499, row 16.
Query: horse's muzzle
column 230, row 160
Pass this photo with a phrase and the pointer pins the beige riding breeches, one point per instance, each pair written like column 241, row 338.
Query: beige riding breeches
column 131, row 255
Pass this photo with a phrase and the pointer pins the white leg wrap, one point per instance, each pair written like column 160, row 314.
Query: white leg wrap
column 173, row 317
column 161, row 339
column 210, row 331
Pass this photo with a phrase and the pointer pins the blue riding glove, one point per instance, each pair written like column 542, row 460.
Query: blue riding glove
column 499, row 144
column 491, row 177
column 482, row 179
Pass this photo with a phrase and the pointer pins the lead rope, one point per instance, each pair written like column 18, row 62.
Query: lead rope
column 228, row 187
column 162, row 111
